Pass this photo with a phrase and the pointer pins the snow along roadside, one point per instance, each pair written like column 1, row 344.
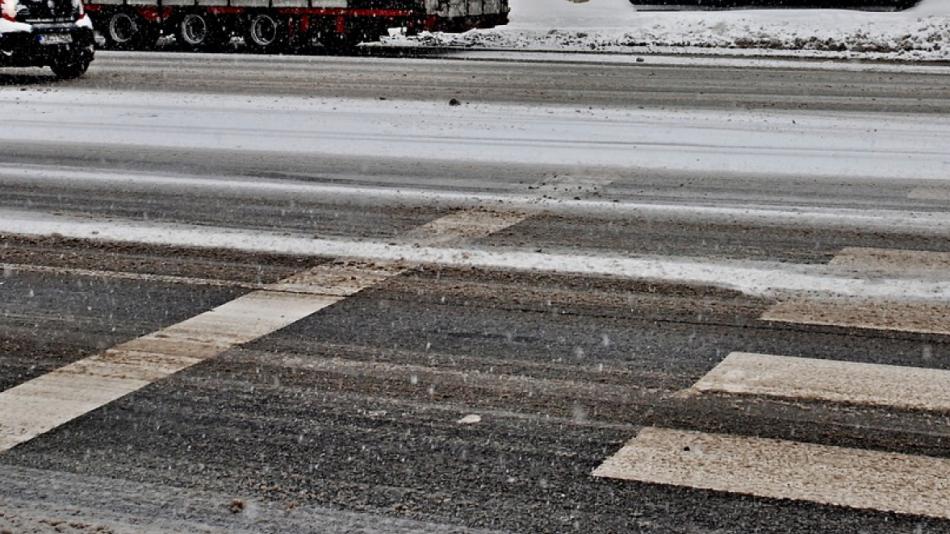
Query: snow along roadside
column 614, row 25
column 750, row 277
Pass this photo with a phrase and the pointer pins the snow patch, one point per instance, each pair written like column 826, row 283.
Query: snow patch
column 470, row 419
column 615, row 26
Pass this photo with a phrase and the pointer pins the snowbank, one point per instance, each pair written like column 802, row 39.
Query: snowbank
column 614, row 25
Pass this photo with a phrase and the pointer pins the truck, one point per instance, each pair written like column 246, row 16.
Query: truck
column 46, row 33
column 277, row 25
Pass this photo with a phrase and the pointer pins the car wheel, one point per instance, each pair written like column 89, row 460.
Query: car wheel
column 71, row 67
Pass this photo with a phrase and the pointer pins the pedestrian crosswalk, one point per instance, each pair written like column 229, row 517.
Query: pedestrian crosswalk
column 785, row 377
column 784, row 469
column 901, row 315
column 48, row 401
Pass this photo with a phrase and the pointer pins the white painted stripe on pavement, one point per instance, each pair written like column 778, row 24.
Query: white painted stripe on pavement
column 905, row 315
column 893, row 261
column 462, row 226
column 750, row 277
column 930, row 193
column 786, row 377
column 902, row 313
column 780, row 469
column 46, row 402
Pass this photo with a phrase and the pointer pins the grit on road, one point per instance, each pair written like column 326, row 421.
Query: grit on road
column 251, row 293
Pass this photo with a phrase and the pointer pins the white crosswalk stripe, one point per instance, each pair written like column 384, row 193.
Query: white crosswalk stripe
column 904, row 314
column 930, row 317
column 782, row 469
column 910, row 388
column 48, row 401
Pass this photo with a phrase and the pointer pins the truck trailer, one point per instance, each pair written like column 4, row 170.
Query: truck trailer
column 275, row 25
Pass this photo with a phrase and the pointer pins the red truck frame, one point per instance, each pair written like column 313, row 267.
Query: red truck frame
column 275, row 25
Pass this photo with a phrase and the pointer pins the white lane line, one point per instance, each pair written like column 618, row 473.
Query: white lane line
column 780, row 469
column 906, row 315
column 892, row 261
column 785, row 377
column 930, row 193
column 552, row 198
column 750, row 277
column 46, row 402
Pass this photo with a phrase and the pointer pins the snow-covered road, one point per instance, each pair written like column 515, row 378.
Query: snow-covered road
column 796, row 144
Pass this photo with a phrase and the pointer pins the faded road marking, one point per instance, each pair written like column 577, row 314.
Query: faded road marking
column 893, row 262
column 50, row 400
column 780, row 469
column 930, row 317
column 898, row 312
column 930, row 193
column 463, row 226
column 909, row 388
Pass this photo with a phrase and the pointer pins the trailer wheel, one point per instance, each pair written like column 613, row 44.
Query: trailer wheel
column 265, row 33
column 199, row 31
column 123, row 31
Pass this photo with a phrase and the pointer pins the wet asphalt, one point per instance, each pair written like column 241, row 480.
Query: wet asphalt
column 348, row 420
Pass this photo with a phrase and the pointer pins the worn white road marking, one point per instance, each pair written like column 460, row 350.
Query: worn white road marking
column 902, row 312
column 930, row 193
column 893, row 262
column 751, row 277
column 462, row 226
column 781, row 469
column 50, row 400
column 930, row 317
column 910, row 388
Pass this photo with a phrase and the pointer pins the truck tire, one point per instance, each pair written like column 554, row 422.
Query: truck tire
column 200, row 32
column 71, row 67
column 124, row 31
column 265, row 33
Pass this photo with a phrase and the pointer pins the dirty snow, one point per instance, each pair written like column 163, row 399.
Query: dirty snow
column 922, row 33
column 757, row 278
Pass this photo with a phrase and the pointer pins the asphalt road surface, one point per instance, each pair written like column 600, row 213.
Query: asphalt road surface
column 255, row 294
